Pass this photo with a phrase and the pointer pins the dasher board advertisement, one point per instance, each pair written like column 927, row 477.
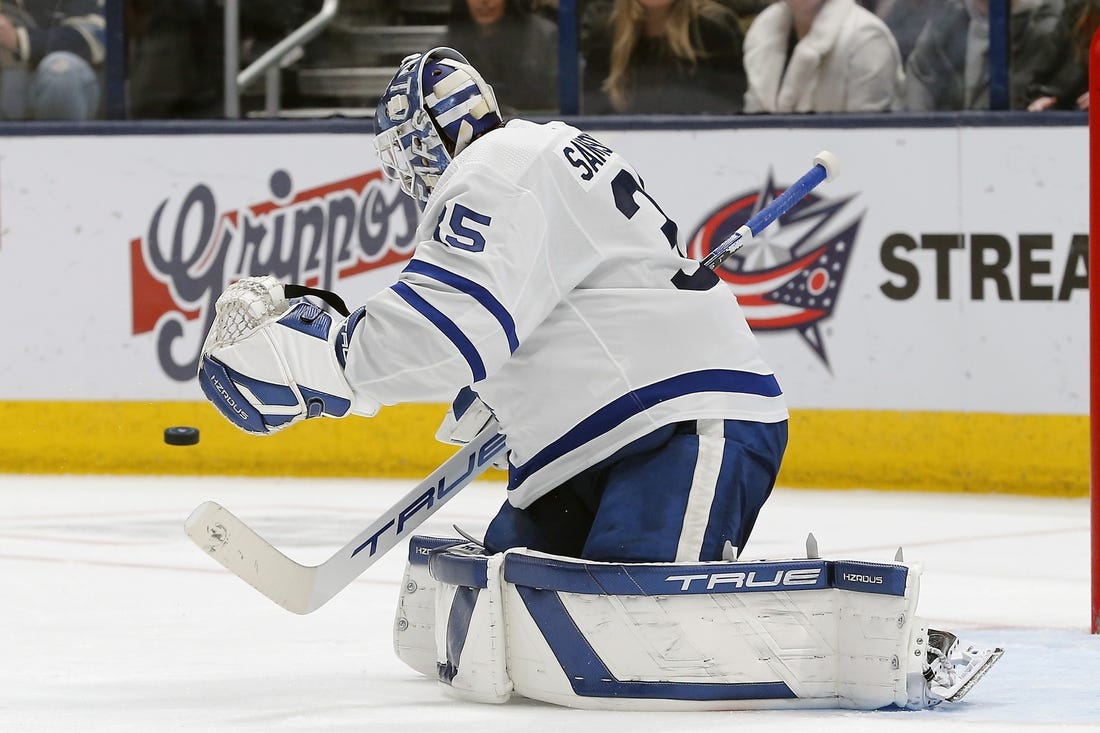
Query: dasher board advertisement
column 945, row 269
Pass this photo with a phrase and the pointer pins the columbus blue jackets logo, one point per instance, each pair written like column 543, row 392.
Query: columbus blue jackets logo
column 789, row 277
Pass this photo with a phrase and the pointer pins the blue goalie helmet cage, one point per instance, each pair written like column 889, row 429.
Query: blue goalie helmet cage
column 435, row 105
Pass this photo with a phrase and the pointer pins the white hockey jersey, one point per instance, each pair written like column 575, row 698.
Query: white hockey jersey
column 543, row 280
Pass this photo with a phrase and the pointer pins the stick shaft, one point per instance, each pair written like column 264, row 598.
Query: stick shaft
column 303, row 589
column 761, row 219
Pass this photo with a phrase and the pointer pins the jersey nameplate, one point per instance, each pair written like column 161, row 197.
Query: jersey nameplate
column 587, row 155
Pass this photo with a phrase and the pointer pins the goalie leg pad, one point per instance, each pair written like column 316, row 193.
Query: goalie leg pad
column 469, row 624
column 414, row 621
column 681, row 636
column 709, row 635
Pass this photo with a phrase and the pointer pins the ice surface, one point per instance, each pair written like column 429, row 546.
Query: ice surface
column 111, row 620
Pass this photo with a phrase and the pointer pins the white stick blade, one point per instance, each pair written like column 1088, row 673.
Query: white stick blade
column 220, row 534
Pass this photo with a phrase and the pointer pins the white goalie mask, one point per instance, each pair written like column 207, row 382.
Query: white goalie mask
column 435, row 105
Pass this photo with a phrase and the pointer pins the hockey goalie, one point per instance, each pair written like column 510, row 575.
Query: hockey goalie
column 644, row 430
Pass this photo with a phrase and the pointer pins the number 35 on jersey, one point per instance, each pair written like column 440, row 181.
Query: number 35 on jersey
column 462, row 228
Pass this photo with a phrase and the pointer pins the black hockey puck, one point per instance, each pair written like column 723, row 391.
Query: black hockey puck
column 181, row 435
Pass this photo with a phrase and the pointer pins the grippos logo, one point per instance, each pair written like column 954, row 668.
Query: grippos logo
column 318, row 236
column 789, row 277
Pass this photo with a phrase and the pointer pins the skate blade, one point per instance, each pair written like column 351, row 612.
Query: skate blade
column 975, row 674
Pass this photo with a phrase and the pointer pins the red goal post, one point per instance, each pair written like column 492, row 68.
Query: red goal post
column 1094, row 326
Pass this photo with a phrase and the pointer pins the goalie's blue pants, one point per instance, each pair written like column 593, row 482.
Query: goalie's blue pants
column 677, row 494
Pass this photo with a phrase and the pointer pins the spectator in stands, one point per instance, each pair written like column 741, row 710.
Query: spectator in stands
column 949, row 66
column 746, row 10
column 1068, row 87
column 50, row 57
column 515, row 50
column 906, row 19
column 664, row 57
column 546, row 8
column 821, row 56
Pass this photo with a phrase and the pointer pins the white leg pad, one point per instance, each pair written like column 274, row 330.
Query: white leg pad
column 414, row 622
column 678, row 636
column 873, row 640
column 469, row 625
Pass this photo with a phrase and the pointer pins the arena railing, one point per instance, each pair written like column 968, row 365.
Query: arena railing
column 269, row 64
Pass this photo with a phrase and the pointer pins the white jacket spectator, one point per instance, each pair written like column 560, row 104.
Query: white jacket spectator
column 845, row 60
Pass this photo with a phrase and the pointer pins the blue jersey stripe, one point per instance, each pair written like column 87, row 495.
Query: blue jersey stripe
column 475, row 291
column 445, row 325
column 622, row 409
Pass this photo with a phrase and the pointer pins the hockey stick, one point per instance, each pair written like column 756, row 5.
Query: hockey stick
column 826, row 168
column 302, row 588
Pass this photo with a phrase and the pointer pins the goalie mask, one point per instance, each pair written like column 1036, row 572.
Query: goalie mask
column 434, row 107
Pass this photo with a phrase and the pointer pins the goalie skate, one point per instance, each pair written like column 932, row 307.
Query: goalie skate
column 951, row 673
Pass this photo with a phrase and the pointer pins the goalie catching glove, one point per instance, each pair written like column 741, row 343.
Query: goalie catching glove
column 269, row 362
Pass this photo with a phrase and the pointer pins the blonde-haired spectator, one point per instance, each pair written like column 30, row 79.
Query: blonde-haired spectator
column 821, row 56
column 664, row 57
